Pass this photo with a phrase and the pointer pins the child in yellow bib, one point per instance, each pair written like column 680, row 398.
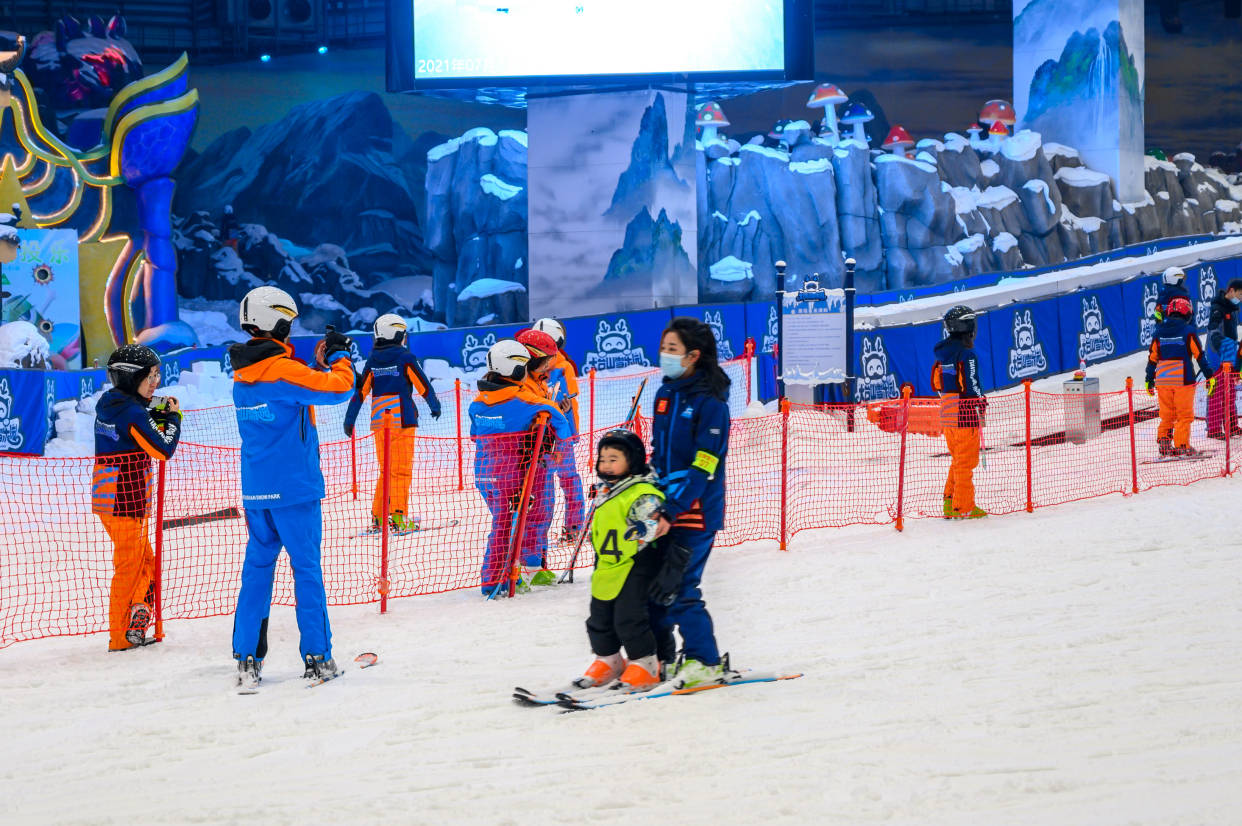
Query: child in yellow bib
column 623, row 525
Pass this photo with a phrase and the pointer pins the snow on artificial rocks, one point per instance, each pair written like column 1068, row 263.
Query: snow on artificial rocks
column 1041, row 187
column 731, row 268
column 497, row 188
column 921, row 165
column 811, row 167
column 1004, row 242
column 482, row 134
column 1081, row 176
column 1021, row 146
column 1060, row 150
column 488, row 287
column 989, row 168
column 21, row 345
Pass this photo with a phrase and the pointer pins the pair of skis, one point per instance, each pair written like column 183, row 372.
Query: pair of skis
column 365, row 660
column 576, row 698
column 1194, row 457
column 419, row 527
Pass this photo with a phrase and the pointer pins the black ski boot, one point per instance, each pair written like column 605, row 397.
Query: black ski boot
column 319, row 670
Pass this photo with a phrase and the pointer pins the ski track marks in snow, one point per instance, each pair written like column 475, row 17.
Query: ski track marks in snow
column 1076, row 665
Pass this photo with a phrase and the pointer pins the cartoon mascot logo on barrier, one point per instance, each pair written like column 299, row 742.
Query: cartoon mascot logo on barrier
column 474, row 352
column 1147, row 324
column 773, row 334
column 876, row 382
column 724, row 350
column 1207, row 291
column 614, row 348
column 1027, row 356
column 1095, row 342
column 11, row 437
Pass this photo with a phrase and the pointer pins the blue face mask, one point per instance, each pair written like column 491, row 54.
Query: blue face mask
column 1236, row 301
column 671, row 366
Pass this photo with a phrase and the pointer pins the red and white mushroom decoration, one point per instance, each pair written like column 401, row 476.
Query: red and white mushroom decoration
column 974, row 130
column 997, row 133
column 898, row 140
column 827, row 96
column 998, row 111
column 710, row 118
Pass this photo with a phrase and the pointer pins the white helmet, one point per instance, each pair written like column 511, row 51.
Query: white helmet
column 553, row 328
column 268, row 310
column 389, row 326
column 508, row 358
column 1174, row 274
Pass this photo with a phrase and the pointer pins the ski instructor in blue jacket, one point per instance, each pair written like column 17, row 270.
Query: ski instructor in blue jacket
column 689, row 440
column 281, row 480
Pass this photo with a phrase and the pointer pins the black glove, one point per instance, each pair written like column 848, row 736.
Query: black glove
column 667, row 582
column 334, row 342
column 435, row 412
column 349, row 430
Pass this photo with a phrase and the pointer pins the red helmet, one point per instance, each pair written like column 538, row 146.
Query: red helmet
column 1179, row 305
column 539, row 344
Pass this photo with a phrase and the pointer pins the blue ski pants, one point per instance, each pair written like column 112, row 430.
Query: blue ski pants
column 299, row 529
column 688, row 614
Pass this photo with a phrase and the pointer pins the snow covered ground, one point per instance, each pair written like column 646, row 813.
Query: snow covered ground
column 1077, row 665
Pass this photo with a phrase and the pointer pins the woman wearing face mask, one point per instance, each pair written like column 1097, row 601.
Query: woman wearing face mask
column 689, row 437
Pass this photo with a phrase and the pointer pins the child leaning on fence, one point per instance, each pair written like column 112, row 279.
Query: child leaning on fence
column 131, row 429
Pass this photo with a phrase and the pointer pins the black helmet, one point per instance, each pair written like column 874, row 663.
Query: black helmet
column 129, row 365
column 629, row 444
column 959, row 320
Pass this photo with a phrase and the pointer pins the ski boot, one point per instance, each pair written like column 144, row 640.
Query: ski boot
column 249, row 675
column 320, row 670
column 400, row 522
column 1165, row 445
column 139, row 620
column 692, row 672
column 1218, row 435
column 602, row 671
column 542, row 577
column 642, row 674
column 948, row 507
column 974, row 513
column 1186, row 452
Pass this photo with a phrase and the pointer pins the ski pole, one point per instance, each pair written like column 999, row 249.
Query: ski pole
column 568, row 575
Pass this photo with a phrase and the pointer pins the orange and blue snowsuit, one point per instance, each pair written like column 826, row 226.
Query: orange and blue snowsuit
column 955, row 375
column 1171, row 360
column 282, row 485
column 502, row 418
column 127, row 437
column 392, row 375
column 562, row 389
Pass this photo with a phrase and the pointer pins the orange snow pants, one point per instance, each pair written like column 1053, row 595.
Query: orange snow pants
column 964, row 456
column 133, row 564
column 1177, row 412
column 400, row 470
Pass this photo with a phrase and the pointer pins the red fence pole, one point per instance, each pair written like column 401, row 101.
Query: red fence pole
column 591, row 423
column 750, row 361
column 461, row 475
column 1030, row 499
column 1133, row 449
column 1228, row 402
column 901, row 465
column 353, row 464
column 519, row 524
column 159, row 552
column 784, row 471
column 385, row 472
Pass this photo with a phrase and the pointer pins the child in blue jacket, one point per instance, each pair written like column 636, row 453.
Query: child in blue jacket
column 391, row 377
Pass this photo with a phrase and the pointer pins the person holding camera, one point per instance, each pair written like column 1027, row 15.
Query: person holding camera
column 132, row 427
column 282, row 483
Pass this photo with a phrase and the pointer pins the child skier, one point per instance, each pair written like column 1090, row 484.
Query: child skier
column 563, row 389
column 393, row 375
column 131, row 429
column 1171, row 360
column 1172, row 285
column 626, row 518
column 502, row 419
column 955, row 375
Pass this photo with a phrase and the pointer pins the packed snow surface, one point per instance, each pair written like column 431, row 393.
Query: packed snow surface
column 1075, row 665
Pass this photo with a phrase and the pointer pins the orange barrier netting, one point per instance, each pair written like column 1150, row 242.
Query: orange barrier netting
column 804, row 467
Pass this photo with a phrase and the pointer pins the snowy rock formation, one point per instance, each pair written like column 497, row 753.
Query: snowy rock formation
column 476, row 226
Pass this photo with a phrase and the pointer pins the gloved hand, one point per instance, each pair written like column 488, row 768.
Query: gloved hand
column 1151, row 389
column 334, row 342
column 165, row 409
column 1211, row 385
column 1158, row 315
column 667, row 582
column 436, row 410
column 349, row 430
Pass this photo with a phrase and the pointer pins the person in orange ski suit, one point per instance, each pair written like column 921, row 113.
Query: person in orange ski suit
column 131, row 429
column 1171, row 360
column 955, row 376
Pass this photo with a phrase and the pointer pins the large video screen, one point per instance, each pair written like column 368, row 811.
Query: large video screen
column 482, row 39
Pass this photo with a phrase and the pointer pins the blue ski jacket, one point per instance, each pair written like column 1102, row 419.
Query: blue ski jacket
column 392, row 375
column 689, row 442
column 273, row 393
